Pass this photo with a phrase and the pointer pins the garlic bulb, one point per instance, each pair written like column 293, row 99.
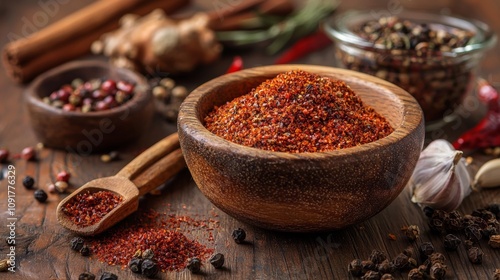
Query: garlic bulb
column 440, row 179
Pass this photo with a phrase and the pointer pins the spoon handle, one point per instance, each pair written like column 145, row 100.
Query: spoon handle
column 150, row 156
column 160, row 172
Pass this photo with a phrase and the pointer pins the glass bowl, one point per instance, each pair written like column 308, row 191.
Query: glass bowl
column 439, row 80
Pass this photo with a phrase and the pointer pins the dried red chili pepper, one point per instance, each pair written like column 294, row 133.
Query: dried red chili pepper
column 487, row 132
column 304, row 46
column 236, row 65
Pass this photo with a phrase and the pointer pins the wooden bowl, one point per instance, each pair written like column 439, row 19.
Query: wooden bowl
column 85, row 133
column 301, row 192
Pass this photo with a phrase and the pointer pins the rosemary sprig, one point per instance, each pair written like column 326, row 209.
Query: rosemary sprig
column 299, row 24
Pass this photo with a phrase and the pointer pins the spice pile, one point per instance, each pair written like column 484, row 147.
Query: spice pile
column 298, row 112
column 89, row 208
column 93, row 95
column 161, row 233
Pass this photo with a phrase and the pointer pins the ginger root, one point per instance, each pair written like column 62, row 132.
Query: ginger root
column 156, row 43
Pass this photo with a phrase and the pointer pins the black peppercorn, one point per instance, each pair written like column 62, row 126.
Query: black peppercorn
column 149, row 268
column 454, row 224
column 194, row 265
column 451, row 242
column 437, row 258
column 428, row 211
column 495, row 209
column 437, row 271
column 436, row 226
column 473, row 220
column 483, row 214
column 367, row 266
column 86, row 276
column 386, row 267
column 40, row 195
column 135, row 265
column 475, row 255
column 371, row 275
column 76, row 243
column 489, row 231
column 454, row 215
column 473, row 232
column 415, row 274
column 28, row 182
column 85, row 251
column 425, row 250
column 439, row 214
column 377, row 256
column 355, row 268
column 108, row 276
column 217, row 260
column 239, row 235
column 400, row 261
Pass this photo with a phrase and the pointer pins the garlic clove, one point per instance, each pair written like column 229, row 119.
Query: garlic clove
column 440, row 179
column 488, row 175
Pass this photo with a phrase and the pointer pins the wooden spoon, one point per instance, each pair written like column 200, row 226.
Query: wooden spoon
column 147, row 171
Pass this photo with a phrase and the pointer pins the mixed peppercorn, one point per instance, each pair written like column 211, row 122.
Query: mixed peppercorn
column 298, row 112
column 90, row 96
column 410, row 53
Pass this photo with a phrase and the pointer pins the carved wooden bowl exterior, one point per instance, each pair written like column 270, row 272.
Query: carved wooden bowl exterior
column 86, row 133
column 302, row 192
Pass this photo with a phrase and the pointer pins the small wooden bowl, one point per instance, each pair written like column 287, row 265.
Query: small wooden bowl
column 307, row 191
column 86, row 133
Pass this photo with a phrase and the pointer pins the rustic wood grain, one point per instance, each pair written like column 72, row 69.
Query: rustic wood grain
column 43, row 252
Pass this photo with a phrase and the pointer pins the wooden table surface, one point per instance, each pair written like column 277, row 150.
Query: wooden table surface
column 42, row 250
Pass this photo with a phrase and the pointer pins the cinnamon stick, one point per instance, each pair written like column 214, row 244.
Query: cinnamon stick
column 72, row 36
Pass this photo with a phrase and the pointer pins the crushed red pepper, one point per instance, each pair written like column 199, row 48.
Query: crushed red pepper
column 88, row 208
column 298, row 112
column 162, row 233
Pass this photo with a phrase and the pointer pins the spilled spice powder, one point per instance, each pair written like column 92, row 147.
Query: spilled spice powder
column 88, row 208
column 298, row 112
column 162, row 233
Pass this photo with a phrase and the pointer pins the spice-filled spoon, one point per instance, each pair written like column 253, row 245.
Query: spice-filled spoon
column 150, row 169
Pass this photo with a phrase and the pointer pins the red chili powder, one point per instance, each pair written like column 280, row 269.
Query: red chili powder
column 88, row 208
column 163, row 235
column 298, row 112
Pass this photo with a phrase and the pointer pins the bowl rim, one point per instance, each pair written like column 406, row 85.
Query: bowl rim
column 141, row 94
column 336, row 28
column 188, row 120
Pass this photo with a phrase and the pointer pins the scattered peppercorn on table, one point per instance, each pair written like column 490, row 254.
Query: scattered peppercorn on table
column 184, row 223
